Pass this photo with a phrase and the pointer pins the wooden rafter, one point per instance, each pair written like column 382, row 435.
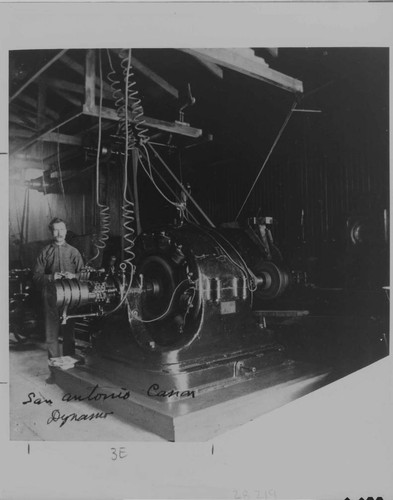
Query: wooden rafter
column 154, row 77
column 171, row 127
column 78, row 68
column 68, row 97
column 244, row 61
column 90, row 72
column 76, row 88
column 33, row 103
column 50, row 137
column 71, row 140
column 213, row 68
column 38, row 73
column 20, row 132
column 50, row 128
column 26, row 116
column 18, row 121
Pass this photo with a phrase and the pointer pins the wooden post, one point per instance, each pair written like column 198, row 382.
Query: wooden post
column 90, row 78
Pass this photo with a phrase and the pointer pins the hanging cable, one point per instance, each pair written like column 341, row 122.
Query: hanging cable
column 17, row 216
column 104, row 215
column 268, row 155
column 130, row 109
column 24, row 223
column 45, row 191
column 128, row 205
column 150, row 175
column 248, row 274
column 181, row 186
column 60, row 174
column 157, row 173
column 130, row 112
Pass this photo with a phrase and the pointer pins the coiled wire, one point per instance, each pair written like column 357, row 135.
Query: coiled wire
column 131, row 131
column 104, row 216
column 127, row 102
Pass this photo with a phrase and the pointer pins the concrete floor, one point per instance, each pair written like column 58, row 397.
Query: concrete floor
column 29, row 421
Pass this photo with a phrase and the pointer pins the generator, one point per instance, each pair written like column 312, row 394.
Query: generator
column 183, row 317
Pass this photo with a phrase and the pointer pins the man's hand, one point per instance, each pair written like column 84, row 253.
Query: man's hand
column 59, row 276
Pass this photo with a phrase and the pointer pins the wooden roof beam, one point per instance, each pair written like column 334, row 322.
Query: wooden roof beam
column 154, row 77
column 15, row 132
column 71, row 140
column 36, row 137
column 26, row 116
column 33, row 103
column 50, row 137
column 68, row 97
column 77, row 88
column 244, row 61
column 38, row 73
column 78, row 68
column 213, row 68
column 18, row 121
column 173, row 128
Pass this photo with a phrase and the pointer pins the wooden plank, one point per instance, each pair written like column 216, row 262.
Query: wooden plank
column 173, row 128
column 71, row 63
column 154, row 77
column 49, row 129
column 38, row 73
column 58, row 83
column 78, row 68
column 19, row 133
column 77, row 88
column 41, row 101
column 247, row 64
column 90, row 75
column 71, row 140
column 213, row 68
column 68, row 97
column 14, row 118
column 33, row 103
column 26, row 115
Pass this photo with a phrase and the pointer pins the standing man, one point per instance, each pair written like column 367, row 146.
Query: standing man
column 56, row 261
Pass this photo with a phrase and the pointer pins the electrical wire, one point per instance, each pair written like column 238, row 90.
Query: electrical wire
column 150, row 175
column 151, row 168
column 268, row 155
column 134, row 135
column 181, row 186
column 60, row 173
column 104, row 215
column 134, row 125
column 248, row 274
column 128, row 205
column 24, row 223
column 134, row 313
column 45, row 191
column 17, row 215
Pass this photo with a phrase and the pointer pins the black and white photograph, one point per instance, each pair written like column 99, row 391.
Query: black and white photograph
column 197, row 236
column 198, row 240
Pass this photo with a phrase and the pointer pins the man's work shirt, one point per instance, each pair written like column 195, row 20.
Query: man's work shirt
column 56, row 259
